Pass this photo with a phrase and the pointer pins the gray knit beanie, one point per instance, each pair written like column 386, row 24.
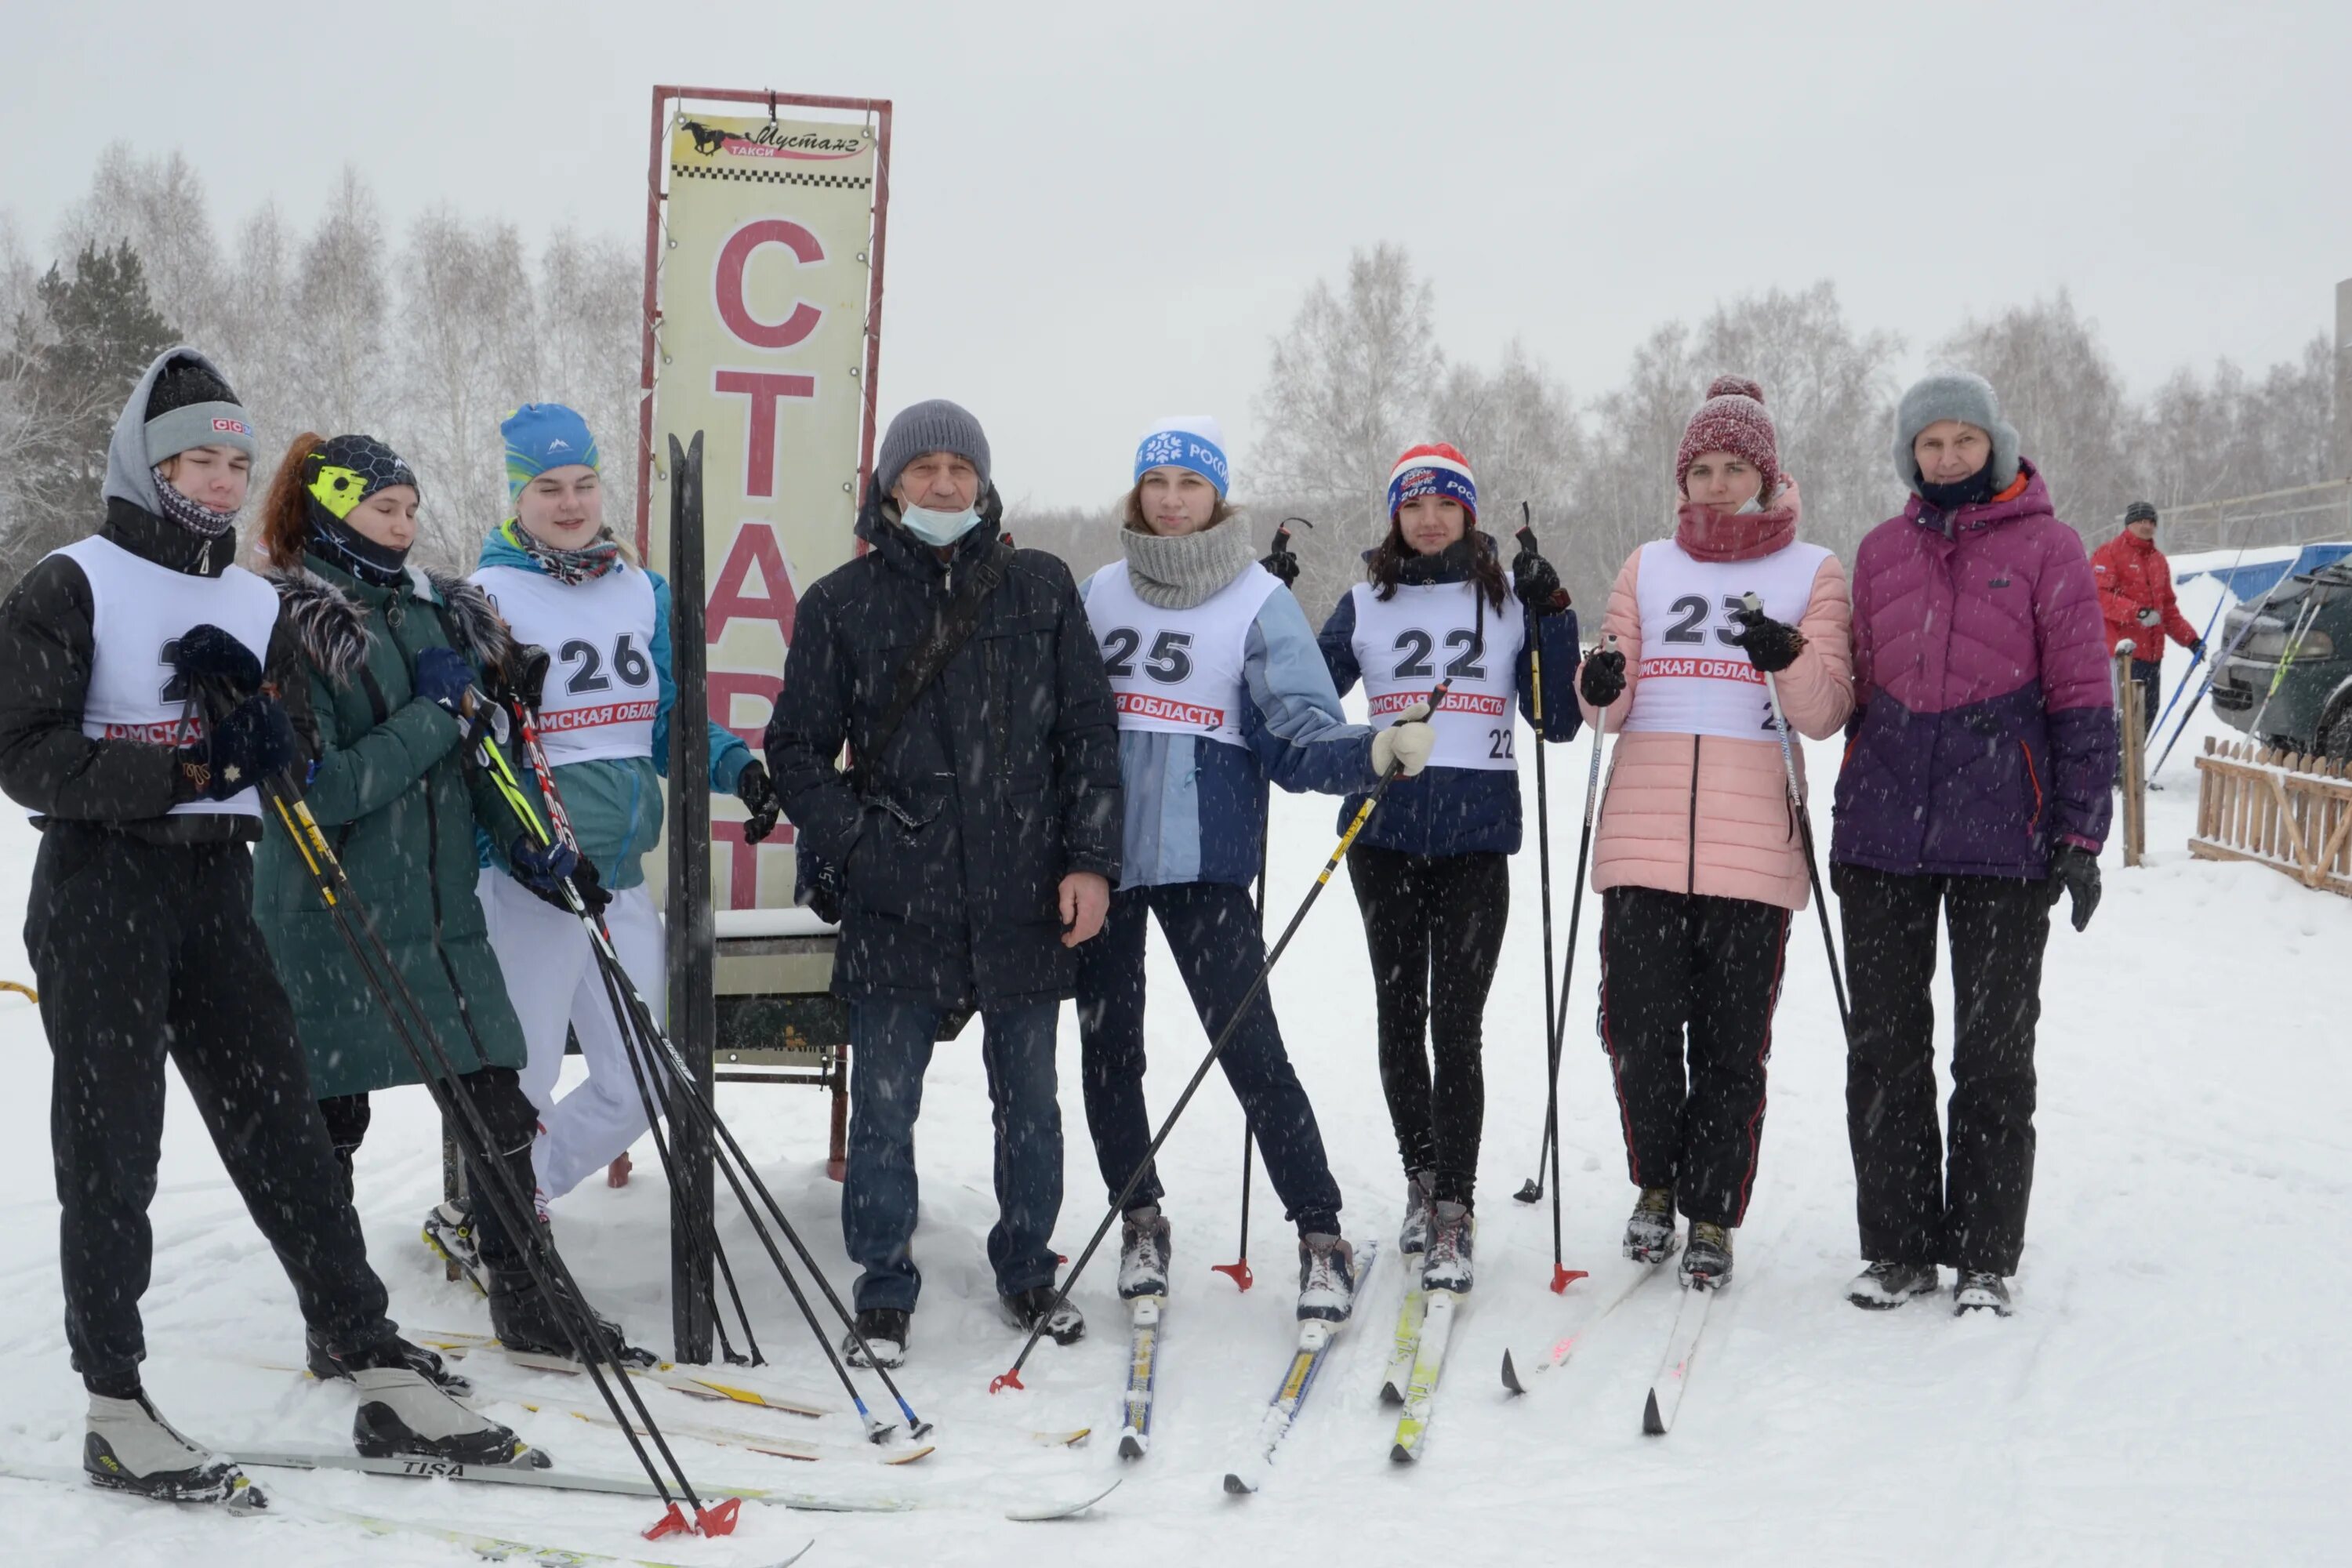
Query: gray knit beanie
column 937, row 426
column 1954, row 395
column 189, row 407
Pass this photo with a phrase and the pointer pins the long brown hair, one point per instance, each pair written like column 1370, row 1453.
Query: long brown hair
column 1386, row 568
column 285, row 512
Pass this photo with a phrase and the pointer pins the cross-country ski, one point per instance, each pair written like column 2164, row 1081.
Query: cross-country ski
column 1316, row 1338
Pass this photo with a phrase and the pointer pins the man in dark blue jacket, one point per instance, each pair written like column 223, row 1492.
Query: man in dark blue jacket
column 964, row 856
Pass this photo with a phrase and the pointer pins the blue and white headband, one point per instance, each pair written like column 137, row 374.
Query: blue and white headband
column 1191, row 441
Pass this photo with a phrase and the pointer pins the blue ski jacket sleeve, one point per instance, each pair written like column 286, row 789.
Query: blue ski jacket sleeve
column 1462, row 811
column 1196, row 807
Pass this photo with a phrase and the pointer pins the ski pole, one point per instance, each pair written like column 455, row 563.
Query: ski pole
column 511, row 1207
column 1805, row 832
column 735, row 1165
column 1563, row 1276
column 1533, row 1190
column 1011, row 1377
column 702, row 1220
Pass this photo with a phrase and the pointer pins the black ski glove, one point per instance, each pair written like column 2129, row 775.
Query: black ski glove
column 1536, row 584
column 1282, row 561
column 209, row 659
column 544, row 869
column 1772, row 646
column 2076, row 870
column 523, row 678
column 757, row 794
column 1601, row 679
column 253, row 741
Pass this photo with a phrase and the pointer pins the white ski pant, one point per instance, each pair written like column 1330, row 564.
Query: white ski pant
column 553, row 980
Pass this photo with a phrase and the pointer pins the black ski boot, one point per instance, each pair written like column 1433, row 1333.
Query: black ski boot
column 1144, row 1249
column 426, row 1363
column 1979, row 1291
column 1412, row 1237
column 400, row 1414
column 1650, row 1234
column 1885, row 1284
column 1453, row 1231
column 525, row 1319
column 128, row 1446
column 1066, row 1326
column 1707, row 1261
column 885, row 1331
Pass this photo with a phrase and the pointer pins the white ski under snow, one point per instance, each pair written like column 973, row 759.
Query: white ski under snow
column 2171, row 1390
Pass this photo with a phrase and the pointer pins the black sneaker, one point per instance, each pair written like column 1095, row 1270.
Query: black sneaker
column 1885, row 1284
column 885, row 1331
column 1066, row 1326
column 1707, row 1261
column 1979, row 1291
column 426, row 1363
column 1650, row 1234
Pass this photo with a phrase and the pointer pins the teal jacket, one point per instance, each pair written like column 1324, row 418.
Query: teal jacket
column 616, row 803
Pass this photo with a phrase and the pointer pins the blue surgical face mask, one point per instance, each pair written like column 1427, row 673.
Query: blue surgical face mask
column 939, row 528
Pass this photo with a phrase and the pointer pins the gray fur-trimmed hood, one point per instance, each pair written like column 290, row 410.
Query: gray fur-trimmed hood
column 331, row 627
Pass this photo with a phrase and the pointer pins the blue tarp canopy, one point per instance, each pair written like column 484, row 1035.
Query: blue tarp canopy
column 2256, row 578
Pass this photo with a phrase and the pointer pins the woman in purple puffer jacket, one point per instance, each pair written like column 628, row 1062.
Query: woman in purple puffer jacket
column 1975, row 782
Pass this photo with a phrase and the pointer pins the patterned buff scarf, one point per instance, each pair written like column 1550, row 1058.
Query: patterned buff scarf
column 571, row 567
column 193, row 515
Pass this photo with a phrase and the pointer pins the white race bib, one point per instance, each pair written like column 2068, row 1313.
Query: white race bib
column 1179, row 671
column 601, row 694
column 139, row 611
column 1405, row 645
column 1693, row 681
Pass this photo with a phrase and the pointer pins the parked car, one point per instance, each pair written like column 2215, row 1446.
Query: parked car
column 2289, row 683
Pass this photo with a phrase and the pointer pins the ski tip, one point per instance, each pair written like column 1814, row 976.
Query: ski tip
column 1392, row 1395
column 1652, row 1423
column 1511, row 1375
column 1400, row 1453
column 910, row 1456
column 1130, row 1444
column 1237, row 1486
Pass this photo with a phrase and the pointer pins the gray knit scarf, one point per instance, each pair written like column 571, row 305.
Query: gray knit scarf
column 1176, row 571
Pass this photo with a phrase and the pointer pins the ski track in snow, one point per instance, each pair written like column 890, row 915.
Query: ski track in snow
column 2165, row 1393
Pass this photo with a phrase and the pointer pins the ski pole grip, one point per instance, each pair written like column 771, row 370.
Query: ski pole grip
column 1750, row 603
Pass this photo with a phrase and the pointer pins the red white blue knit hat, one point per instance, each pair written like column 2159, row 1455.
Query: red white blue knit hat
column 1434, row 470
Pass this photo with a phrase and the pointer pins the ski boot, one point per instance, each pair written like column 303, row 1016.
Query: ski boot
column 1144, row 1251
column 1979, row 1289
column 449, row 1233
column 400, row 1414
column 426, row 1363
column 1453, row 1230
column 1886, row 1285
column 525, row 1319
column 1707, row 1261
column 884, row 1330
column 1065, row 1325
column 1326, row 1277
column 128, row 1446
column 1414, row 1236
column 1650, row 1234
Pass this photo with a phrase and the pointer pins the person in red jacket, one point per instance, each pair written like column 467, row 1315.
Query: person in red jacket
column 2135, row 598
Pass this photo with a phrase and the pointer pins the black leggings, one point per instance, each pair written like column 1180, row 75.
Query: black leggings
column 1435, row 926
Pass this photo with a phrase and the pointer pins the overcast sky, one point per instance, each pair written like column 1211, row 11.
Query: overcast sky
column 1102, row 212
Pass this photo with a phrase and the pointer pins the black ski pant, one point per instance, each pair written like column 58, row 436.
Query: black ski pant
column 1435, row 927
column 2148, row 675
column 513, row 1122
column 1913, row 1206
column 143, row 952
column 1211, row 927
column 1686, row 972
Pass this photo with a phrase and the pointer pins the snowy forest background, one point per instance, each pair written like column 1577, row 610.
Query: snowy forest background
column 426, row 336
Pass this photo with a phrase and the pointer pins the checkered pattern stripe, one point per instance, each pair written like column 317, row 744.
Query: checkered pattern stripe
column 772, row 176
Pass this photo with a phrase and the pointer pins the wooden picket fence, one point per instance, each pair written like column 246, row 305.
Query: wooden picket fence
column 2285, row 810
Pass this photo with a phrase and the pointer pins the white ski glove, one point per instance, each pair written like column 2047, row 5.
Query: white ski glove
column 1406, row 743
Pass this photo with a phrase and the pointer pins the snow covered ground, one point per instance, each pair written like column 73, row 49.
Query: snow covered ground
column 2171, row 1390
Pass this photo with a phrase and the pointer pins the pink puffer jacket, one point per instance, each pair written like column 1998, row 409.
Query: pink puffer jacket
column 1708, row 814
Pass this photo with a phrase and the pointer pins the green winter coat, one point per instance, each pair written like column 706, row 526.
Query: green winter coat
column 397, row 802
